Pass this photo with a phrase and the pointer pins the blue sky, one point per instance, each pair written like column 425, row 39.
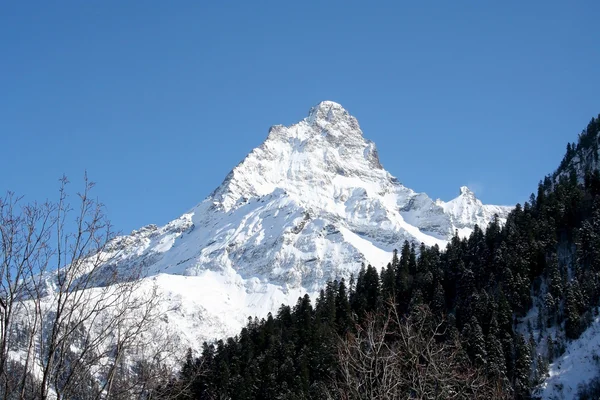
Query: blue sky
column 158, row 100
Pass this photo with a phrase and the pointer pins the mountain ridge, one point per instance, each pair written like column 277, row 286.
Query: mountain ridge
column 311, row 204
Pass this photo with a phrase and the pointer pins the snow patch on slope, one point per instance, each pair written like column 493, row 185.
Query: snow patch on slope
column 579, row 364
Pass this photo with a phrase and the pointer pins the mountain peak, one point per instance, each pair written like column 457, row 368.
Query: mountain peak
column 326, row 119
column 307, row 157
column 329, row 112
column 326, row 108
column 465, row 191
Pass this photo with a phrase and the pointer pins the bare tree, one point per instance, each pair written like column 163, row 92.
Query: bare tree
column 73, row 323
column 24, row 235
column 392, row 358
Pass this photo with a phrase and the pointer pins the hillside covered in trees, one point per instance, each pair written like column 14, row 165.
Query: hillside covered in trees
column 433, row 323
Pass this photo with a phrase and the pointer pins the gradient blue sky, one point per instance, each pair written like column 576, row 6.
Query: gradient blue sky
column 159, row 100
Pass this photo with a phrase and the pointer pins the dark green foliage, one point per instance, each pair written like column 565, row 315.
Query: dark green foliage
column 474, row 342
column 343, row 317
column 438, row 303
column 522, row 371
column 495, row 362
column 388, row 283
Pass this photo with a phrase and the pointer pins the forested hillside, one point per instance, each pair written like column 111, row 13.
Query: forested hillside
column 434, row 323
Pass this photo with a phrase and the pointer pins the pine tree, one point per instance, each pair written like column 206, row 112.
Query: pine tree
column 572, row 320
column 550, row 307
column 438, row 304
column 555, row 286
column 358, row 299
column 522, row 381
column 388, row 284
column 373, row 291
column 403, row 279
column 496, row 364
column 412, row 260
column 342, row 309
column 550, row 348
column 541, row 369
column 474, row 342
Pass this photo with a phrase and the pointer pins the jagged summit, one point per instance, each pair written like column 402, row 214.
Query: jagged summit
column 327, row 105
column 326, row 119
column 467, row 210
column 311, row 155
column 329, row 112
column 465, row 191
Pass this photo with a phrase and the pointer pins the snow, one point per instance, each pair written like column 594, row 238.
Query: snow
column 378, row 257
column 190, row 304
column 579, row 364
column 466, row 211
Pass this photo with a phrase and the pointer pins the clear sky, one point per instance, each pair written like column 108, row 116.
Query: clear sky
column 159, row 100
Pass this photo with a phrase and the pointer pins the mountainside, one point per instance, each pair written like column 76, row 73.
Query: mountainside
column 581, row 157
column 575, row 371
column 307, row 206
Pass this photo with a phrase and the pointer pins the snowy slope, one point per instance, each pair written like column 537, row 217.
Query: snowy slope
column 579, row 365
column 308, row 205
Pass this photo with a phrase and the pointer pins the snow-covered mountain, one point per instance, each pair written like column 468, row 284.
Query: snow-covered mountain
column 311, row 204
